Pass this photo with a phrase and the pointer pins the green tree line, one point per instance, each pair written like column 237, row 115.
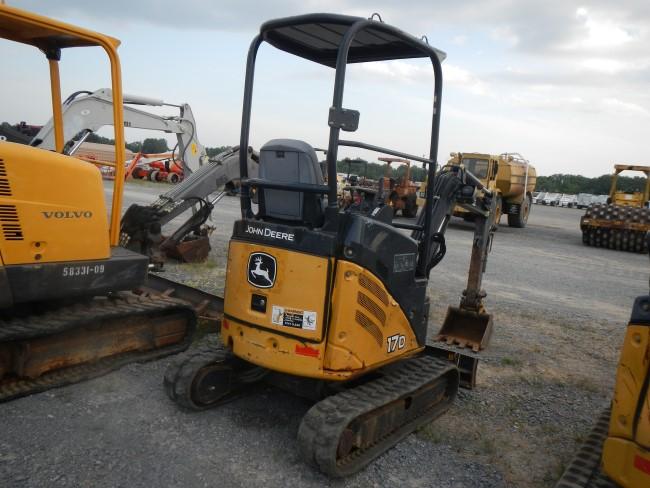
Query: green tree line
column 573, row 184
column 149, row 145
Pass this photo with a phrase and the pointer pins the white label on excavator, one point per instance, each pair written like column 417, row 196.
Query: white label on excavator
column 396, row 342
column 291, row 317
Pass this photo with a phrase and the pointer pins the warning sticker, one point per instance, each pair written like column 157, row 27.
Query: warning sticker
column 291, row 317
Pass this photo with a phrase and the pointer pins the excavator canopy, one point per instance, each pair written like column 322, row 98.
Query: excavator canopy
column 44, row 33
column 317, row 37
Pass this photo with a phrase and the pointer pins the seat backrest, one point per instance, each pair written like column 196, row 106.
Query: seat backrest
column 291, row 161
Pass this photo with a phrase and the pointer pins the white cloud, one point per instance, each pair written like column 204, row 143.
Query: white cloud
column 411, row 73
column 505, row 34
column 619, row 105
column 601, row 32
column 459, row 40
column 604, row 65
column 456, row 75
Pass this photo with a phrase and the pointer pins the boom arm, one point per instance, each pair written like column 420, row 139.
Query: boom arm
column 141, row 228
column 468, row 324
column 92, row 111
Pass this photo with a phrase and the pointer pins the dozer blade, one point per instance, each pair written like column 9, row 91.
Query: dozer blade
column 63, row 345
column 466, row 328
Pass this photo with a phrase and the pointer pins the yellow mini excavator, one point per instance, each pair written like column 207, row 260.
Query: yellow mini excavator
column 331, row 303
column 65, row 310
column 617, row 451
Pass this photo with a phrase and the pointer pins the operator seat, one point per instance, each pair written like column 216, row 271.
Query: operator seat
column 290, row 161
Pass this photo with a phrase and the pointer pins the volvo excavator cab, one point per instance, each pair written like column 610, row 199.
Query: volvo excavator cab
column 331, row 302
column 61, row 269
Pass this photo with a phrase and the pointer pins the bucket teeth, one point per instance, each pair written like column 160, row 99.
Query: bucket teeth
column 466, row 328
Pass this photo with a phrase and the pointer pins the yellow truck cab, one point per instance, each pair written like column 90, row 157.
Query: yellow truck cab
column 511, row 176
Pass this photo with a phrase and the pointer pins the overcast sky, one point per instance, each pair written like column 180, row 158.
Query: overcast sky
column 564, row 83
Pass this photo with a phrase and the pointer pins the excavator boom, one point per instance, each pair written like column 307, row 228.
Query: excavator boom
column 86, row 112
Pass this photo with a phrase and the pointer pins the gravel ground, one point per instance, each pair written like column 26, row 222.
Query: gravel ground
column 559, row 314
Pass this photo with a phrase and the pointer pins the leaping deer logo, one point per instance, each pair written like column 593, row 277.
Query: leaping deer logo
column 262, row 277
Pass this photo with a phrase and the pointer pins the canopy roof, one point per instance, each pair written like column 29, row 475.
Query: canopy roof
column 317, row 37
column 45, row 33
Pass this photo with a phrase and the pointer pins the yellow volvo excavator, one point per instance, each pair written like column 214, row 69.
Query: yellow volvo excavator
column 66, row 312
column 331, row 303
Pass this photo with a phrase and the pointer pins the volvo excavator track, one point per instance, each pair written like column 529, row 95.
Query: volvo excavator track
column 616, row 227
column 60, row 345
column 584, row 470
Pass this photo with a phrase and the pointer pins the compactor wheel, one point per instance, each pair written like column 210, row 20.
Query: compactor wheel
column 607, row 231
column 343, row 433
column 207, row 376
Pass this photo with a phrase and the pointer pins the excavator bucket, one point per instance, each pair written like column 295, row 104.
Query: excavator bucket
column 466, row 328
column 194, row 250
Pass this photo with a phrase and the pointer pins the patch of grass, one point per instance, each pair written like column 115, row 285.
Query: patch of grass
column 508, row 361
column 580, row 439
column 534, row 380
column 209, row 263
column 487, row 446
column 550, row 429
column 433, row 435
column 587, row 384
column 555, row 472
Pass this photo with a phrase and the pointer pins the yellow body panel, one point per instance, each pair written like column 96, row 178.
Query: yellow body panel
column 52, row 207
column 634, row 199
column 626, row 463
column 630, row 377
column 626, row 453
column 360, row 328
column 364, row 319
column 300, row 284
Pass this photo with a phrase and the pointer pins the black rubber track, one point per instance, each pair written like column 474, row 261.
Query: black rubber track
column 210, row 354
column 61, row 319
column 179, row 375
column 323, row 425
column 584, row 470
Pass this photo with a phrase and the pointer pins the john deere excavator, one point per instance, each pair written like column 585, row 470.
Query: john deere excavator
column 331, row 303
column 617, row 451
column 624, row 220
column 66, row 308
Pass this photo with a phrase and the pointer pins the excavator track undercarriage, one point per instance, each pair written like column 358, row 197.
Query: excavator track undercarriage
column 60, row 345
column 208, row 375
column 343, row 432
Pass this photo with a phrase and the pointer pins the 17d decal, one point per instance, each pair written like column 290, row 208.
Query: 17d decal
column 396, row 342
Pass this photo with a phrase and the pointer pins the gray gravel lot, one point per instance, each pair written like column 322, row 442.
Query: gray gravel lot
column 559, row 311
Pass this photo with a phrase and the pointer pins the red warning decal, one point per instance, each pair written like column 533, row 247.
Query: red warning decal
column 307, row 351
column 642, row 464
